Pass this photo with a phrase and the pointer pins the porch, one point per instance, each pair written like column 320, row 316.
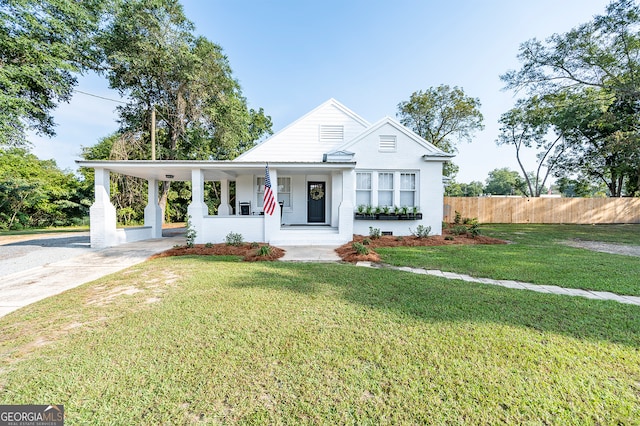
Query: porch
column 316, row 199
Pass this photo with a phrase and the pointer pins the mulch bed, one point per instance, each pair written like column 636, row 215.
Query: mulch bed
column 246, row 251
column 348, row 253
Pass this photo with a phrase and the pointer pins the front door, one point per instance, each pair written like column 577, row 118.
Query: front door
column 316, row 202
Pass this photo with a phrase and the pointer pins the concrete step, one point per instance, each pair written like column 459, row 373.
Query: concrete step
column 308, row 236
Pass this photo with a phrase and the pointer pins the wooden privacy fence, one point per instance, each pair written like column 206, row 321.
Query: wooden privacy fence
column 544, row 210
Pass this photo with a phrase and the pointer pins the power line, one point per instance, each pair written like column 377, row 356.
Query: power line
column 100, row 97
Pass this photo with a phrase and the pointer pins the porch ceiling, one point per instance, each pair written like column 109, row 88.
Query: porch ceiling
column 213, row 170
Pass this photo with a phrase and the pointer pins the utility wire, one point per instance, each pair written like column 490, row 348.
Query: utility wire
column 100, row 97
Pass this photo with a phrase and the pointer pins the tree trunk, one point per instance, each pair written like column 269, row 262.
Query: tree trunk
column 164, row 197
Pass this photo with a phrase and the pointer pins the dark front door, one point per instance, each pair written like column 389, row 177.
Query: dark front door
column 316, row 197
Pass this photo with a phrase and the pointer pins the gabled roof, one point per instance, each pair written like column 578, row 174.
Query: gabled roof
column 432, row 150
column 331, row 102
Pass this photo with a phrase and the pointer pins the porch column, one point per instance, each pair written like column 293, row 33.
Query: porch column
column 153, row 212
column 272, row 222
column 225, row 208
column 197, row 210
column 345, row 220
column 102, row 214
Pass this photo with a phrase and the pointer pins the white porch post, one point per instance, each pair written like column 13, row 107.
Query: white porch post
column 345, row 221
column 272, row 222
column 225, row 208
column 153, row 212
column 102, row 214
column 197, row 210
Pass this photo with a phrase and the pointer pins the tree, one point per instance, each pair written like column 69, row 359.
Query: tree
column 504, row 182
column 596, row 66
column 471, row 189
column 43, row 45
column 443, row 116
column 153, row 58
column 529, row 125
column 35, row 193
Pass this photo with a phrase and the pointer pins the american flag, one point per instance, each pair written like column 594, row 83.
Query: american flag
column 269, row 204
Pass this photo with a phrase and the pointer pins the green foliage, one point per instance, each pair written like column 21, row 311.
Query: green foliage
column 264, row 250
column 459, row 230
column 505, row 182
column 360, row 249
column 421, row 231
column 472, row 189
column 191, row 234
column 234, row 239
column 458, row 218
column 449, row 237
column 366, row 241
column 474, row 229
column 35, row 193
column 588, row 76
column 374, row 233
column 439, row 113
column 255, row 245
column 43, row 45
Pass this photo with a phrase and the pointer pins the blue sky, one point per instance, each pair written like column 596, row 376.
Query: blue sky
column 291, row 56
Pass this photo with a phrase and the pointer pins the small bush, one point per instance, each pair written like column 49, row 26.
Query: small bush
column 208, row 245
column 374, row 233
column 255, row 245
column 459, row 230
column 474, row 230
column 458, row 218
column 366, row 241
column 449, row 237
column 360, row 248
column 264, row 251
column 421, row 231
column 191, row 233
column 399, row 238
column 234, row 239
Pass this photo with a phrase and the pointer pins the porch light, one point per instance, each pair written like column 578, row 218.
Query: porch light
column 169, row 176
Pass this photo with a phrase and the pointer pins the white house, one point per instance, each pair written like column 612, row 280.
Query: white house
column 322, row 167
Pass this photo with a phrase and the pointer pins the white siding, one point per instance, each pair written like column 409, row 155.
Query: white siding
column 301, row 140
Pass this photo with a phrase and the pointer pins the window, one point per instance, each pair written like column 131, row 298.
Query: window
column 363, row 189
column 284, row 191
column 331, row 133
column 385, row 189
column 387, row 143
column 408, row 189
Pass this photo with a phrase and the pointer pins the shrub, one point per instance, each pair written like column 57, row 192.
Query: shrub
column 459, row 230
column 449, row 237
column 421, row 231
column 374, row 233
column 399, row 238
column 191, row 233
column 360, row 248
column 234, row 239
column 255, row 245
column 208, row 245
column 366, row 241
column 264, row 251
column 458, row 218
column 474, row 230
column 470, row 220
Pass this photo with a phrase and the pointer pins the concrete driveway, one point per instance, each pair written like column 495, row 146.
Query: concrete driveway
column 35, row 267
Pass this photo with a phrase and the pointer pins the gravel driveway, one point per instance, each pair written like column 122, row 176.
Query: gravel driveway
column 22, row 252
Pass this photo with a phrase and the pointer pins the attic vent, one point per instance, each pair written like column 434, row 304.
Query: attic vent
column 330, row 133
column 387, row 143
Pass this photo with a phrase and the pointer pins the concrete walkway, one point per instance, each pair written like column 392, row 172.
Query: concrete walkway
column 310, row 254
column 552, row 289
column 23, row 288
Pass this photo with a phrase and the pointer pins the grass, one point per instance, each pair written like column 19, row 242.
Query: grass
column 51, row 230
column 538, row 256
column 200, row 340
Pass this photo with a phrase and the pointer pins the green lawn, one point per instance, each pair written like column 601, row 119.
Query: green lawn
column 197, row 340
column 538, row 256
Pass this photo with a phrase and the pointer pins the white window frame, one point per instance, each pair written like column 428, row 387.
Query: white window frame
column 411, row 189
column 398, row 187
column 386, row 190
column 283, row 181
column 360, row 189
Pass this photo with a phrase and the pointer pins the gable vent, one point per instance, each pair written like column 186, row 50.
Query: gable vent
column 330, row 133
column 387, row 143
